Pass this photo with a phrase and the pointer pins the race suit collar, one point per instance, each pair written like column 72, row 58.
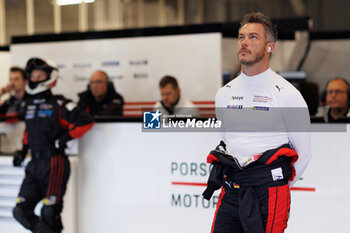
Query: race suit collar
column 259, row 78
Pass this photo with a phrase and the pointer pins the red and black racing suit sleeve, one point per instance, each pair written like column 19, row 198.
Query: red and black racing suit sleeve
column 75, row 120
column 13, row 116
column 84, row 103
column 25, row 142
column 3, row 110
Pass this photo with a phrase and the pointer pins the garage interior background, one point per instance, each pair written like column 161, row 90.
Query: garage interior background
column 28, row 17
column 328, row 57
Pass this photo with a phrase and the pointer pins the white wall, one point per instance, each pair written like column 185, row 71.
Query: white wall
column 134, row 64
column 125, row 185
column 11, row 136
column 123, row 182
column 5, row 61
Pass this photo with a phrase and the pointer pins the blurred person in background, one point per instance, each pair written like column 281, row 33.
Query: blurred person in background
column 16, row 89
column 101, row 98
column 172, row 102
column 51, row 121
column 336, row 96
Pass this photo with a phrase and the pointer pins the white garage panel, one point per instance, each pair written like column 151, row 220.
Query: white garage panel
column 134, row 64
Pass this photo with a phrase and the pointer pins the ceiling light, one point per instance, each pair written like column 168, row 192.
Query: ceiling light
column 71, row 2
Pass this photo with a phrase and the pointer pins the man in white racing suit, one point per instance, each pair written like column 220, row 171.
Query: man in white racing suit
column 264, row 118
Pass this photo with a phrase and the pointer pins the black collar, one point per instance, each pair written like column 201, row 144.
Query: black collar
column 170, row 109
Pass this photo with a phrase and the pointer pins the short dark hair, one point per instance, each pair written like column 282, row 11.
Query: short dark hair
column 168, row 80
column 20, row 70
column 258, row 17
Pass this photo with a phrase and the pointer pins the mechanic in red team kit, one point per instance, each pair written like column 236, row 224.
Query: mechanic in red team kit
column 51, row 121
column 265, row 143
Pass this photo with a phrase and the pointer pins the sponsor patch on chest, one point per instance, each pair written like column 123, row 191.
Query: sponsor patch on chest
column 234, row 106
column 236, row 98
column 260, row 108
column 31, row 107
column 45, row 106
column 30, row 112
column 44, row 113
column 262, row 99
column 38, row 101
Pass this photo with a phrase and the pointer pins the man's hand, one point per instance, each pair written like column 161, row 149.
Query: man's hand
column 18, row 158
column 5, row 89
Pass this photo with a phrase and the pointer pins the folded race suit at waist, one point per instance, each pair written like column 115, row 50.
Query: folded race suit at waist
column 42, row 151
column 273, row 165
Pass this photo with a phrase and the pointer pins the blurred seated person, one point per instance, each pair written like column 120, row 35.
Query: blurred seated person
column 15, row 88
column 337, row 100
column 101, row 98
column 172, row 102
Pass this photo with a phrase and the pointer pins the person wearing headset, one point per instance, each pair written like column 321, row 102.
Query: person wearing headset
column 101, row 98
column 337, row 96
column 265, row 140
column 51, row 121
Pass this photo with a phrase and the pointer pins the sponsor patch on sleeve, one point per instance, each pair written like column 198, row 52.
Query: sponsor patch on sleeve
column 277, row 174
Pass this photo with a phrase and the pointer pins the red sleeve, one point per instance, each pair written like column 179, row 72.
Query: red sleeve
column 76, row 121
column 25, row 138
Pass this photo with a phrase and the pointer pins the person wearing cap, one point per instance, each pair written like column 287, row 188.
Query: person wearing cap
column 51, row 121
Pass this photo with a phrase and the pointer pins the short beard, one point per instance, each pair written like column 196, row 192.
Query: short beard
column 338, row 110
column 258, row 58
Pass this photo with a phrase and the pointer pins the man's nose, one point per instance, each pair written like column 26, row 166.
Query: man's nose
column 244, row 41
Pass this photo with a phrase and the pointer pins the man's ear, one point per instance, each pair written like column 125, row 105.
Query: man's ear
column 270, row 47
